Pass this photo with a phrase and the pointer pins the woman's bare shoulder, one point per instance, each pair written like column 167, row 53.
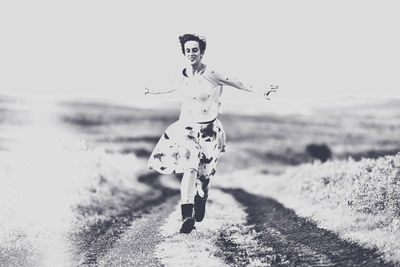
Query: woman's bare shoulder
column 214, row 75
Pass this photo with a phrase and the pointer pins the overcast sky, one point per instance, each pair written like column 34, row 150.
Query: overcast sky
column 114, row 48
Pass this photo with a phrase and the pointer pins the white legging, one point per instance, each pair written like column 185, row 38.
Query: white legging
column 192, row 182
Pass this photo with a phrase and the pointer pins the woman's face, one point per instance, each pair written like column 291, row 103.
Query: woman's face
column 192, row 52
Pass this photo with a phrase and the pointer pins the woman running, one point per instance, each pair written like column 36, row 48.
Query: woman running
column 193, row 144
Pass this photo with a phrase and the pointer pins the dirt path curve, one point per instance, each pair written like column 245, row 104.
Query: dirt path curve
column 99, row 239
column 295, row 240
column 136, row 246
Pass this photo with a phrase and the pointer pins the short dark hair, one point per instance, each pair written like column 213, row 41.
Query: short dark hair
column 193, row 37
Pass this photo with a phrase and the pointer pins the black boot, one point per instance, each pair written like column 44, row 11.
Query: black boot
column 200, row 202
column 199, row 207
column 187, row 218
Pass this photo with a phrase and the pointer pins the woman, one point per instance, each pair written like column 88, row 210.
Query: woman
column 194, row 143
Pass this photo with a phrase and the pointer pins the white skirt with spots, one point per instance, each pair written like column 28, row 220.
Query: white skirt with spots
column 185, row 146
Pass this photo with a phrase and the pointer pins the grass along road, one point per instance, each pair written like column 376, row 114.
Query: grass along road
column 296, row 240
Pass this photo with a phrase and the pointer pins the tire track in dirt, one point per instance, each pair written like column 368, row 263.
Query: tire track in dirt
column 136, row 245
column 295, row 240
column 100, row 238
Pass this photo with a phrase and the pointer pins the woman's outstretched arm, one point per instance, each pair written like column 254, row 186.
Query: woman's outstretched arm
column 173, row 85
column 225, row 80
column 158, row 91
column 233, row 82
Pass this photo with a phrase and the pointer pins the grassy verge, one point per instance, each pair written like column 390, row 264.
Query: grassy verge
column 358, row 200
column 42, row 203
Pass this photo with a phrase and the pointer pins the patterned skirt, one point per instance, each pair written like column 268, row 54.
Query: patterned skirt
column 189, row 145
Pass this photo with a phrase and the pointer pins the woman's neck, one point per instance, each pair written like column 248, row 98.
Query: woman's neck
column 196, row 68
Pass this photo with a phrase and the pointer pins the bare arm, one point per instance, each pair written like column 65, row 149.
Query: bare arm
column 225, row 80
column 158, row 91
column 172, row 86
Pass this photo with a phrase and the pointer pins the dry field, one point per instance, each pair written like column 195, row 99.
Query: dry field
column 74, row 186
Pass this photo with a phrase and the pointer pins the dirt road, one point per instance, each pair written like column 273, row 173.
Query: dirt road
column 280, row 238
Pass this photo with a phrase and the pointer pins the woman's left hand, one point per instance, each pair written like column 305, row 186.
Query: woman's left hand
column 272, row 89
